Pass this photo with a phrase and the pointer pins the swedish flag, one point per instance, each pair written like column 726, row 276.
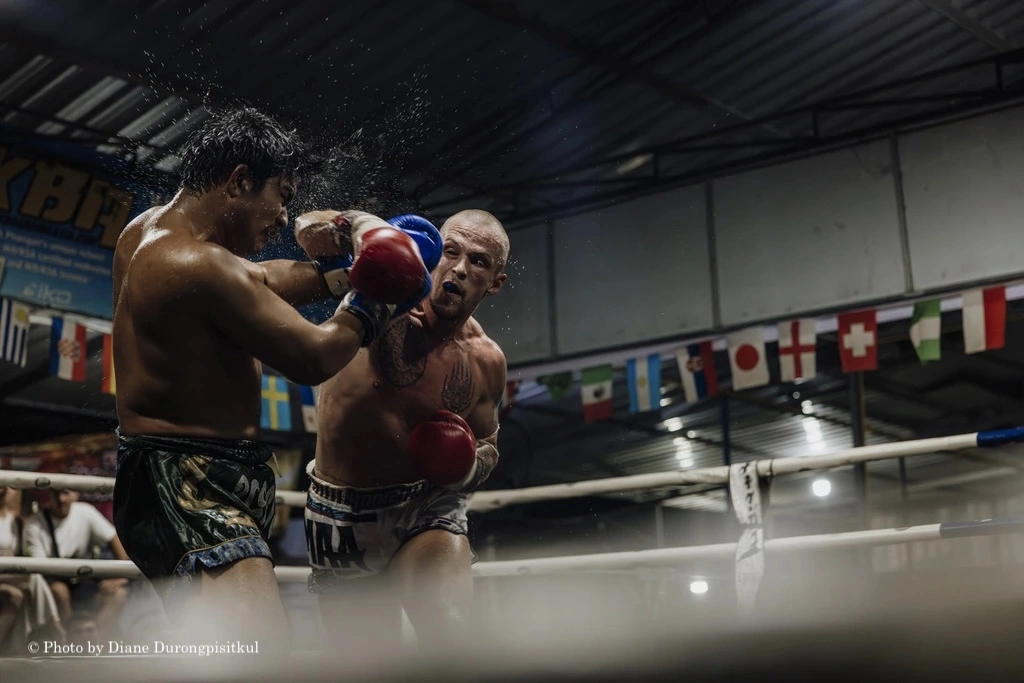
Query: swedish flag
column 276, row 412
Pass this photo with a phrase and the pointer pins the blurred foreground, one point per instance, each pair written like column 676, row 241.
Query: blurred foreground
column 951, row 626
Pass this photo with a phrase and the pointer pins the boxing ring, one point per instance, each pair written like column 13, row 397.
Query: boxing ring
column 743, row 481
column 597, row 651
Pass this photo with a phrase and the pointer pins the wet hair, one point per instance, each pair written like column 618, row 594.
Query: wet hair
column 242, row 136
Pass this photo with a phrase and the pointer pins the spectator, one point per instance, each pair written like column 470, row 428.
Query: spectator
column 69, row 529
column 26, row 603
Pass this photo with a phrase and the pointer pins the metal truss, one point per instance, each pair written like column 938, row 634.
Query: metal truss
column 590, row 182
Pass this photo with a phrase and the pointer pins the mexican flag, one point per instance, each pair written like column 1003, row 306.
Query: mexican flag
column 597, row 393
column 926, row 330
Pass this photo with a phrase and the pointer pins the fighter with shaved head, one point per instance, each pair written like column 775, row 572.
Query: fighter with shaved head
column 405, row 432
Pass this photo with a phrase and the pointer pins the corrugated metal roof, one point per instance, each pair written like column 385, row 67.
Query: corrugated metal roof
column 477, row 94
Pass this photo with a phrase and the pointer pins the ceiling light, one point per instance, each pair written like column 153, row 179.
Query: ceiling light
column 821, row 487
column 699, row 587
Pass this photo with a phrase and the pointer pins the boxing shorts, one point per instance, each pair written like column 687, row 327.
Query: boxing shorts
column 184, row 502
column 354, row 532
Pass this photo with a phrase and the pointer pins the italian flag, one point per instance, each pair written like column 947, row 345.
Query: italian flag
column 597, row 393
column 926, row 329
column 984, row 319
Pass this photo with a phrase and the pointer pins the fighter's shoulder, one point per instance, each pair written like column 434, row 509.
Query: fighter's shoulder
column 487, row 351
column 198, row 266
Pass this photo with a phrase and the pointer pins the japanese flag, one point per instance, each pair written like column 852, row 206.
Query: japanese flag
column 746, row 357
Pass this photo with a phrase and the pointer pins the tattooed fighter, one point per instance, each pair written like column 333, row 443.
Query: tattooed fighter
column 405, row 432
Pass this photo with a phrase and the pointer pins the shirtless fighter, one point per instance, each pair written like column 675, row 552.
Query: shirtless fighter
column 194, row 497
column 405, row 432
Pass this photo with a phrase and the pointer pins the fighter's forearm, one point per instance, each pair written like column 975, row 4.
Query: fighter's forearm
column 297, row 282
column 486, row 461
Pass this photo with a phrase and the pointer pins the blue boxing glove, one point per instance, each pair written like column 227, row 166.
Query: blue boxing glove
column 333, row 239
column 374, row 314
column 426, row 236
column 428, row 239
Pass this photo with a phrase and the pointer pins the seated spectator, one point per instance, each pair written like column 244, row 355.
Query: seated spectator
column 27, row 607
column 69, row 529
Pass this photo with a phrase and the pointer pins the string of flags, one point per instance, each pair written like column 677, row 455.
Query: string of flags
column 984, row 329
column 280, row 399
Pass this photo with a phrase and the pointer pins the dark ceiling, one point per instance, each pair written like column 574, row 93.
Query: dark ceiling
column 525, row 108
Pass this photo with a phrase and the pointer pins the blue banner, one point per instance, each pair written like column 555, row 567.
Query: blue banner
column 59, row 223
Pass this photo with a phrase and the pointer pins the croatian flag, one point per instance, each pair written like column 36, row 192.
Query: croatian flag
column 643, row 376
column 697, row 371
column 67, row 350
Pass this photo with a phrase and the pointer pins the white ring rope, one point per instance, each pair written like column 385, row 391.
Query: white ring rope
column 483, row 501
column 661, row 557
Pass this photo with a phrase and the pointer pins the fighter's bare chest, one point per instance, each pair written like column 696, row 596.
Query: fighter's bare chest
column 439, row 378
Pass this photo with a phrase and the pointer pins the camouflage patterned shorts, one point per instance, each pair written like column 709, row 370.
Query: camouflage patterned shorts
column 183, row 502
column 353, row 533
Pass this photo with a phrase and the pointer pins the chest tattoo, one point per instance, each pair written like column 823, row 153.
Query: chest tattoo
column 457, row 392
column 402, row 353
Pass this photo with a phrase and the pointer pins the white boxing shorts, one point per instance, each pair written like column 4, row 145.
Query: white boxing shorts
column 354, row 532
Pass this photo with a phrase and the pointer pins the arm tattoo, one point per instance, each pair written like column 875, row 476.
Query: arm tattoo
column 402, row 353
column 457, row 392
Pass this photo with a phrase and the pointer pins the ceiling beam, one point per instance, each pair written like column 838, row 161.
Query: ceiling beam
column 506, row 13
column 968, row 23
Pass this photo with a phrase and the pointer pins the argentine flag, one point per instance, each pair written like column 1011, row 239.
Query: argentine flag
column 643, row 376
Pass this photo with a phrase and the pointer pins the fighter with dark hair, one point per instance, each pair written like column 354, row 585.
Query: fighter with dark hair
column 193, row 321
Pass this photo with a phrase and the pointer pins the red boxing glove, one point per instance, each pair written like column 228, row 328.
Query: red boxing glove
column 443, row 450
column 388, row 267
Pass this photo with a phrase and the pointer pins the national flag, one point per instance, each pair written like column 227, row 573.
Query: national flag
column 307, row 396
column 747, row 358
column 596, row 391
column 507, row 399
column 643, row 376
column 558, row 385
column 984, row 319
column 858, row 341
column 926, row 330
column 14, row 327
column 109, row 385
column 67, row 350
column 797, row 350
column 276, row 407
column 697, row 371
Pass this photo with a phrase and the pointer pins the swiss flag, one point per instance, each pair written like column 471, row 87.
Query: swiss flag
column 858, row 341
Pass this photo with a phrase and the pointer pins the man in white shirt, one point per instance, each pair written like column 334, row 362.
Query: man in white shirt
column 26, row 603
column 69, row 529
